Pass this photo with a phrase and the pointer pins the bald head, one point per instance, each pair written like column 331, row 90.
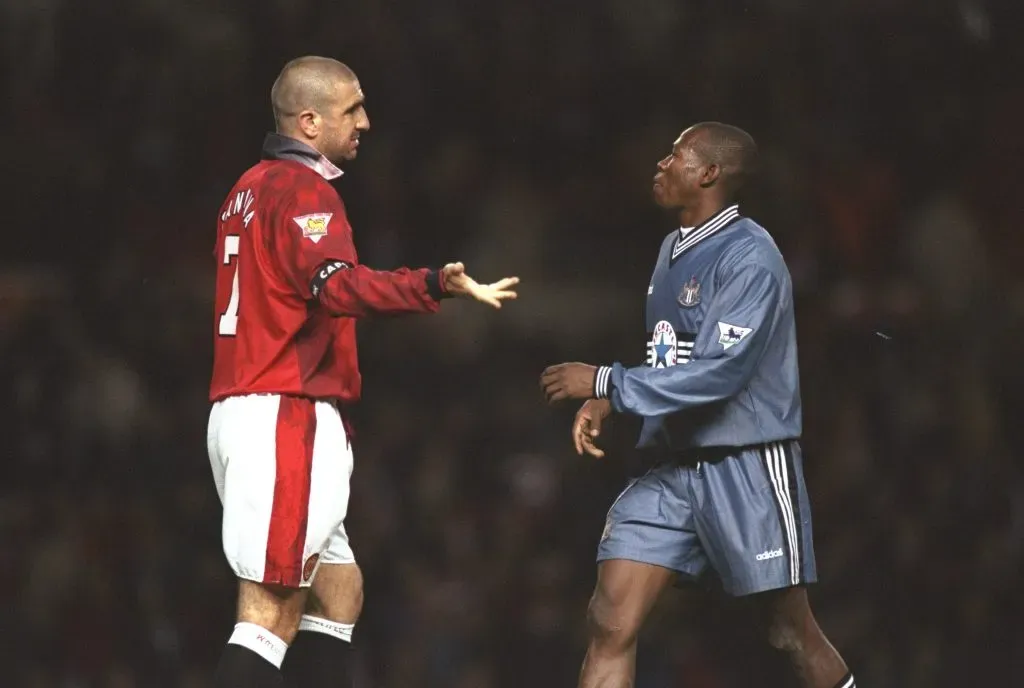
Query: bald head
column 730, row 148
column 307, row 83
column 319, row 102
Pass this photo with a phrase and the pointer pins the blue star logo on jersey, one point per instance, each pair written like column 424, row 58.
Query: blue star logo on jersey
column 661, row 350
column 661, row 347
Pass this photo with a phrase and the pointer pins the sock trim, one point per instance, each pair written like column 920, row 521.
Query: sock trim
column 315, row 624
column 261, row 641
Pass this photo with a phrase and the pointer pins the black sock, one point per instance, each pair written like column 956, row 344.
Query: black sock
column 240, row 667
column 847, row 681
column 318, row 659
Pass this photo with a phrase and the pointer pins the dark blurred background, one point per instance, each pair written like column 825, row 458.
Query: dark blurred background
column 519, row 137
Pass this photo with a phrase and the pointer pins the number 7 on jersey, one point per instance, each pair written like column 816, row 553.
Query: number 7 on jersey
column 229, row 318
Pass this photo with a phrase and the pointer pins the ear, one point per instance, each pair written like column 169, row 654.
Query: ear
column 309, row 123
column 710, row 175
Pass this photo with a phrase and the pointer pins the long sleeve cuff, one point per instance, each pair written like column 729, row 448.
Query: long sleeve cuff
column 435, row 285
column 602, row 382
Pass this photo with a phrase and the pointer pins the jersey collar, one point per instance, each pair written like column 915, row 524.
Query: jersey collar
column 712, row 225
column 279, row 147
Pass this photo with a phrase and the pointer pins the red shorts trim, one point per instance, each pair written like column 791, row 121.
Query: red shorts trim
column 296, row 429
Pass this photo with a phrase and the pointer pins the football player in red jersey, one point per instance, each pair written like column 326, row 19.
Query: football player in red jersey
column 289, row 291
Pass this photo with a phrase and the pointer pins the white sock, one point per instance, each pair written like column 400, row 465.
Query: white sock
column 261, row 641
column 332, row 628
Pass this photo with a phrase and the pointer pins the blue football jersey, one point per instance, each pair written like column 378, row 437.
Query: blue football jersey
column 720, row 360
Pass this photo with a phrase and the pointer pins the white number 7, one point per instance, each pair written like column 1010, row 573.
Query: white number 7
column 229, row 319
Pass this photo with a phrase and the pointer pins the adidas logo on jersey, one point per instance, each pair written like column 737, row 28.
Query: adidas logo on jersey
column 769, row 554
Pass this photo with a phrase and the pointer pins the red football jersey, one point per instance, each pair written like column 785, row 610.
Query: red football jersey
column 289, row 284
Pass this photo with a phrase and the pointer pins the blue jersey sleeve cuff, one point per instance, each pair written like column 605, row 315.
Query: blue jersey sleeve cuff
column 602, row 382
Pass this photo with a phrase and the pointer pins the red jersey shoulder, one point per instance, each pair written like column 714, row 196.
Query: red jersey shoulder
column 292, row 183
column 304, row 201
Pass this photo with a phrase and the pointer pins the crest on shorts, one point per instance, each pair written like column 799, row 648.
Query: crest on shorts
column 309, row 567
column 662, row 348
column 314, row 227
column 690, row 295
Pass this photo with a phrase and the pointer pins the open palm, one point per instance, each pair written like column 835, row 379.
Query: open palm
column 458, row 283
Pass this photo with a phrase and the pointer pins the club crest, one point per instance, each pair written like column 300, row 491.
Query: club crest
column 309, row 567
column 690, row 295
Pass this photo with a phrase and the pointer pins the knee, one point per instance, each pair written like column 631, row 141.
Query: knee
column 791, row 624
column 274, row 608
column 793, row 631
column 785, row 635
column 609, row 625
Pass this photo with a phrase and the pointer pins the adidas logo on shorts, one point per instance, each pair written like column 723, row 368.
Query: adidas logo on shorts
column 769, row 554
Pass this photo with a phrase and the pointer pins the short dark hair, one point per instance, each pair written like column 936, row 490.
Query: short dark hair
column 729, row 147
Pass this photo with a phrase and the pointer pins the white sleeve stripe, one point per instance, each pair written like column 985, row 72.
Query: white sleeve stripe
column 601, row 380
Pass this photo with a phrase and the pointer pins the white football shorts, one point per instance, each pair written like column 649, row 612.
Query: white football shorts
column 282, row 467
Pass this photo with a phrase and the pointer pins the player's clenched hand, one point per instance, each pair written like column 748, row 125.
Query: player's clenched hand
column 587, row 426
column 568, row 381
column 458, row 283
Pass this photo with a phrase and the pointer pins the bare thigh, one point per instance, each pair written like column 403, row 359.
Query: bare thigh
column 337, row 593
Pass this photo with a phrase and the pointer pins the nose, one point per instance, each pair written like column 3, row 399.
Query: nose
column 664, row 162
column 364, row 122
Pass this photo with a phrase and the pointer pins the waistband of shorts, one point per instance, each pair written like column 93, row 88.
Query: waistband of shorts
column 344, row 409
column 691, row 456
column 335, row 402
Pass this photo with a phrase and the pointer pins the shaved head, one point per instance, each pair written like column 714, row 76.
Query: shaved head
column 730, row 148
column 318, row 100
column 307, row 83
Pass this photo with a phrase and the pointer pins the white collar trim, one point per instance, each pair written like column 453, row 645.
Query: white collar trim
column 705, row 229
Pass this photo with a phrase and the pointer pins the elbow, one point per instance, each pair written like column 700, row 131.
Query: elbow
column 727, row 389
column 339, row 306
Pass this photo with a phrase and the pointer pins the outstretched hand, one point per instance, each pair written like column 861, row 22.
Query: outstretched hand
column 458, row 283
column 568, row 381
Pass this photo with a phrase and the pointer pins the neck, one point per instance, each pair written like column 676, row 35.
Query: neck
column 700, row 211
column 297, row 135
